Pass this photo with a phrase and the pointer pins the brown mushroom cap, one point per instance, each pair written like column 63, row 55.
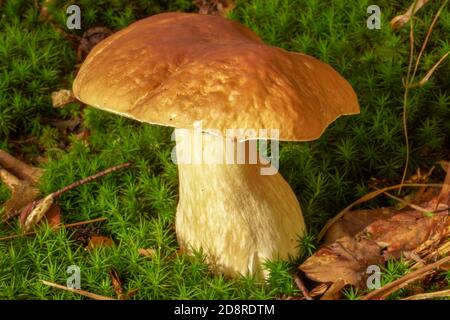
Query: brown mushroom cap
column 174, row 69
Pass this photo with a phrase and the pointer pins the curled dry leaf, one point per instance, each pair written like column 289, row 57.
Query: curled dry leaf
column 53, row 215
column 345, row 260
column 38, row 209
column 334, row 291
column 62, row 97
column 99, row 242
column 400, row 20
column 22, row 193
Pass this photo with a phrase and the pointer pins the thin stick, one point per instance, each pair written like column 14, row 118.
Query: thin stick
column 404, row 281
column 429, row 73
column 410, row 77
column 439, row 252
column 413, row 206
column 301, row 286
column 430, row 295
column 76, row 184
column 71, row 225
column 427, row 37
column 405, row 95
column 368, row 197
column 78, row 291
column 89, row 179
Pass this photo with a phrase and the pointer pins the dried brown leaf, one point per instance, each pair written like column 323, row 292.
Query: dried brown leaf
column 53, row 215
column 99, row 242
column 386, row 233
column 354, row 222
column 334, row 291
column 346, row 259
column 38, row 211
column 62, row 97
column 22, row 195
column 400, row 20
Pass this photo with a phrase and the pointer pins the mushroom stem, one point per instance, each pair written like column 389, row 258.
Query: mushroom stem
column 236, row 216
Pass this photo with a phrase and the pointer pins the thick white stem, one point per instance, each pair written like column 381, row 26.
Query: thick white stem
column 236, row 216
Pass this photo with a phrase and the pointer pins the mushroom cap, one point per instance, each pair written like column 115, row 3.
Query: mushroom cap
column 176, row 69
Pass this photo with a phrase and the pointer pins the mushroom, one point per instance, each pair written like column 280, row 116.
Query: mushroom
column 182, row 69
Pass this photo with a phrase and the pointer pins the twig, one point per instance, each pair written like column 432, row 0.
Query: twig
column 427, row 37
column 430, row 295
column 405, row 95
column 71, row 225
column 439, row 252
column 427, row 77
column 410, row 76
column 301, row 286
column 404, row 281
column 74, row 185
column 19, row 168
column 368, row 197
column 414, row 206
column 37, row 213
column 78, row 291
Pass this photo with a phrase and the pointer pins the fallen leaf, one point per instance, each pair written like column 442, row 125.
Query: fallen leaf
column 149, row 253
column 22, row 195
column 400, row 20
column 354, row 222
column 334, row 291
column 38, row 210
column 62, row 97
column 371, row 237
column 53, row 215
column 345, row 260
column 99, row 242
column 84, row 234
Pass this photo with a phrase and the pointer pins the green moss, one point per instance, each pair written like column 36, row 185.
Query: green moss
column 140, row 202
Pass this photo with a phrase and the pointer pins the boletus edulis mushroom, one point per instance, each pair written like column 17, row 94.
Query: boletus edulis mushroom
column 179, row 70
